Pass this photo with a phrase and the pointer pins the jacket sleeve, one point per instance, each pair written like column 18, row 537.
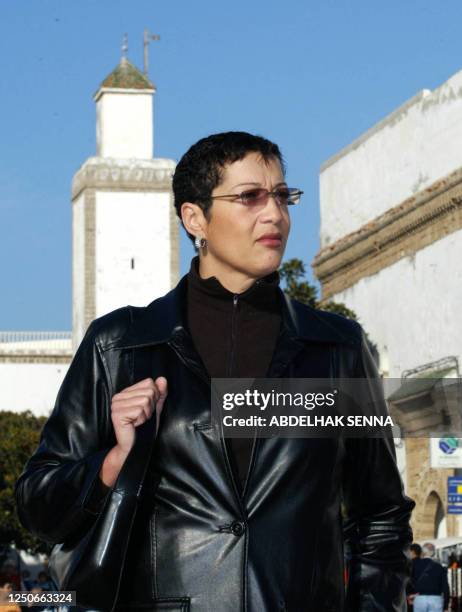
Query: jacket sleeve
column 59, row 492
column 377, row 529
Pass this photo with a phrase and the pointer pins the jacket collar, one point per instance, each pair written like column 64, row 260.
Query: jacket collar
column 162, row 321
column 261, row 294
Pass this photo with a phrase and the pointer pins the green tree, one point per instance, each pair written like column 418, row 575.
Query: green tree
column 292, row 272
column 19, row 437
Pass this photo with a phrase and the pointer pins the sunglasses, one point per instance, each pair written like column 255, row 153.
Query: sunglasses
column 284, row 196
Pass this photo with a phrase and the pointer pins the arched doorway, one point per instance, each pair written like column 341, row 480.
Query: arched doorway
column 433, row 517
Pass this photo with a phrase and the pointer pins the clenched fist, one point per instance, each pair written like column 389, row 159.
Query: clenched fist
column 134, row 405
column 130, row 408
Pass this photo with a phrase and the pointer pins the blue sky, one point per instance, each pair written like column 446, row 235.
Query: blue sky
column 311, row 76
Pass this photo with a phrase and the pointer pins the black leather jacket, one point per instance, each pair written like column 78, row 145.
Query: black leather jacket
column 197, row 545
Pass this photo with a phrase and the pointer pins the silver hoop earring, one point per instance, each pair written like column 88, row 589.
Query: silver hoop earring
column 200, row 243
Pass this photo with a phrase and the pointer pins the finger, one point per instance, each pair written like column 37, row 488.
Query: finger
column 146, row 401
column 142, row 383
column 147, row 383
column 160, row 403
column 121, row 409
column 130, row 396
column 162, row 386
column 157, row 421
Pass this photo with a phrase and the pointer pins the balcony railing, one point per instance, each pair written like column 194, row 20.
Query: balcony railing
column 35, row 342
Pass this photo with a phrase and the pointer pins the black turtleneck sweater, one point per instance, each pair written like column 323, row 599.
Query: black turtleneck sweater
column 235, row 336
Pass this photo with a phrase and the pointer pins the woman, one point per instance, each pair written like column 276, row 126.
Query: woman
column 250, row 525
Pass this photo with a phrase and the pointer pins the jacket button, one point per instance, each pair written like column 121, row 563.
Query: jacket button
column 238, row 528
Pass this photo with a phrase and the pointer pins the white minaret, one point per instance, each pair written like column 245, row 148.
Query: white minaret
column 125, row 232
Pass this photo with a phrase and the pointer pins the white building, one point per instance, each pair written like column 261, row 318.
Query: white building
column 391, row 250
column 391, row 220
column 125, row 239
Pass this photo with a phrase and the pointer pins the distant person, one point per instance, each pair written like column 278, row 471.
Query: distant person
column 36, row 590
column 10, row 574
column 5, row 605
column 43, row 581
column 26, row 581
column 429, row 582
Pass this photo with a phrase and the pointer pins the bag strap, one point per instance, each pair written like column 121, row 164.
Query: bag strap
column 131, row 476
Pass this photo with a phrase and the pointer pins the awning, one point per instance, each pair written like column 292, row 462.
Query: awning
column 413, row 388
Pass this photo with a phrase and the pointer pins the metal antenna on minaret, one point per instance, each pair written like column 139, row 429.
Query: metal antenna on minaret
column 125, row 46
column 146, row 39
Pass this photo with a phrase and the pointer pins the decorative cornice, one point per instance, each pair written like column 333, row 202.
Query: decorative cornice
column 115, row 90
column 124, row 174
column 400, row 232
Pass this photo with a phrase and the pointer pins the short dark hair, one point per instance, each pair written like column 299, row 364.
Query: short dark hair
column 200, row 169
column 416, row 549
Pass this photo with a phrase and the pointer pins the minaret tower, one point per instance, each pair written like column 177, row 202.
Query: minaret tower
column 125, row 233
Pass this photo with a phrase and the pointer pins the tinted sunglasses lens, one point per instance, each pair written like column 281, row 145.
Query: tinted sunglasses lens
column 283, row 197
column 254, row 197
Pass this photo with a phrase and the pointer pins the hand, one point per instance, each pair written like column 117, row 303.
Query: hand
column 133, row 406
column 129, row 408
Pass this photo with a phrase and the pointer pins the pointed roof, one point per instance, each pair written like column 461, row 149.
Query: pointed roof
column 126, row 76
